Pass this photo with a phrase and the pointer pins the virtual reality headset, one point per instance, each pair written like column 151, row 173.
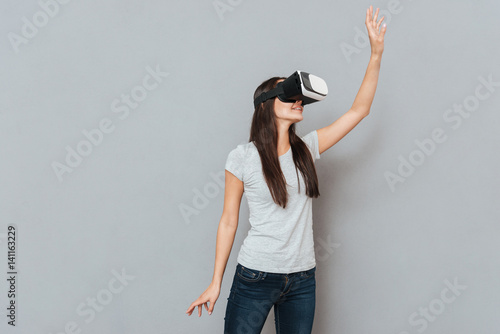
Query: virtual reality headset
column 299, row 86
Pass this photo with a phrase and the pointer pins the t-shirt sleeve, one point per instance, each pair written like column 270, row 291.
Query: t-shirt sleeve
column 311, row 140
column 235, row 162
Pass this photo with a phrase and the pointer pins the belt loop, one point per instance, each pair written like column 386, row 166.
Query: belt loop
column 264, row 274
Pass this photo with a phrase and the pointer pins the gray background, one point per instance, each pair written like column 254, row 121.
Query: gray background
column 390, row 251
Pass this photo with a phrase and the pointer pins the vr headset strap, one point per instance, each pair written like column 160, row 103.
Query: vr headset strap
column 269, row 95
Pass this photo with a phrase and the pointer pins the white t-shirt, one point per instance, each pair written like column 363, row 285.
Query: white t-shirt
column 279, row 240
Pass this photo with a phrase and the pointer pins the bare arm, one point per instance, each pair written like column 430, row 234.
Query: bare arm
column 331, row 134
column 227, row 225
column 225, row 237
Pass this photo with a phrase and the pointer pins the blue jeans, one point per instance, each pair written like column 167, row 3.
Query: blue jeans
column 254, row 292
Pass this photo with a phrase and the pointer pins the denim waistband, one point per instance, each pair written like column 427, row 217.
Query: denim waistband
column 265, row 273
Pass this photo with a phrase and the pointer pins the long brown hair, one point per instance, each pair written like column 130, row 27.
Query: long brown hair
column 264, row 134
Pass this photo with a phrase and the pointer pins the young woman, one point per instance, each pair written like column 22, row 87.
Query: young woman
column 276, row 263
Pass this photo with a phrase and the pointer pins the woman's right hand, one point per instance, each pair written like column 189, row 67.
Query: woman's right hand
column 210, row 295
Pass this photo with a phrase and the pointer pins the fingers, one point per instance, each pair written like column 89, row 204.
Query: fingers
column 369, row 14
column 371, row 21
column 380, row 22
column 209, row 296
column 376, row 15
column 200, row 304
column 211, row 308
column 384, row 28
column 367, row 21
column 191, row 307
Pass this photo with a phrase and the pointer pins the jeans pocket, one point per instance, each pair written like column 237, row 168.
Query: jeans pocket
column 249, row 275
column 309, row 273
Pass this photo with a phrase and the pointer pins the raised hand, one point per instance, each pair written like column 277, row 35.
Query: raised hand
column 375, row 34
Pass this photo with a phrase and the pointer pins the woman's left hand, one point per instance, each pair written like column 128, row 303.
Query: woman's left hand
column 376, row 36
